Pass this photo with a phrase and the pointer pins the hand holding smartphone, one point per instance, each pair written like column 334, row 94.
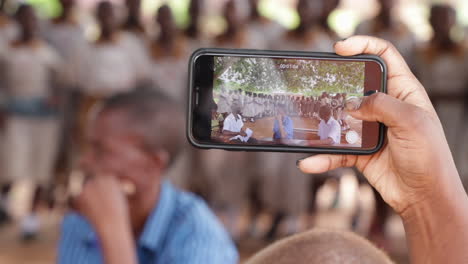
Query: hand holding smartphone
column 282, row 101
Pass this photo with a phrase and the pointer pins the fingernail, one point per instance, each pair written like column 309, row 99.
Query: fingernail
column 339, row 41
column 353, row 103
column 371, row 92
column 298, row 162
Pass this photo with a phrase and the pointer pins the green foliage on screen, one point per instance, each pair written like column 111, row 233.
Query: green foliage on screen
column 308, row 77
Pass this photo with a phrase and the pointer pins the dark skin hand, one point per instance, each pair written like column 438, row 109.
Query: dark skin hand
column 414, row 172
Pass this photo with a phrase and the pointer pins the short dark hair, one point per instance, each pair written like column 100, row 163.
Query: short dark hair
column 155, row 116
column 321, row 246
column 325, row 109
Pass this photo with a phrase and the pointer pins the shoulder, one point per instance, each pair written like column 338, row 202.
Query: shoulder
column 335, row 123
column 199, row 233
column 75, row 224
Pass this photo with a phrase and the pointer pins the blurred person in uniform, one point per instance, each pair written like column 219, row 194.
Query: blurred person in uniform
column 8, row 29
column 441, row 68
column 125, row 209
column 169, row 52
column 30, row 72
column 109, row 66
column 194, row 31
column 236, row 34
column 66, row 35
column 309, row 35
column 328, row 7
column 260, row 26
column 385, row 25
column 169, row 73
column 133, row 21
column 135, row 39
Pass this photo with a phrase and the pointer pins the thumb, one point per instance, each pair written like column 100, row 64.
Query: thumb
column 379, row 107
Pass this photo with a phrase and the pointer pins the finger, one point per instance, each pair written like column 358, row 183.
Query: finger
column 374, row 46
column 324, row 163
column 381, row 108
column 402, row 83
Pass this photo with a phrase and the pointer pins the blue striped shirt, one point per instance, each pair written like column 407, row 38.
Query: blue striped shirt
column 180, row 230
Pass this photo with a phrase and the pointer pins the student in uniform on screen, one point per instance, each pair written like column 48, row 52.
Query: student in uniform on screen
column 233, row 124
column 283, row 127
column 329, row 129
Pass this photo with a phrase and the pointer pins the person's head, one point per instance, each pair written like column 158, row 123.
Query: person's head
column 133, row 7
column 321, row 247
column 325, row 113
column 165, row 21
column 282, row 110
column 309, row 11
column 67, row 6
column 442, row 19
column 254, row 9
column 328, row 7
column 106, row 17
column 235, row 109
column 195, row 12
column 2, row 6
column 231, row 14
column 27, row 20
column 134, row 136
column 133, row 22
column 195, row 9
column 386, row 5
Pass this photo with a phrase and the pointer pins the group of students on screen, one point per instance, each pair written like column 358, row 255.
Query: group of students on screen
column 254, row 106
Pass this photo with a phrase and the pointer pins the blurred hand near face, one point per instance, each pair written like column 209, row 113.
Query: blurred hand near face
column 102, row 200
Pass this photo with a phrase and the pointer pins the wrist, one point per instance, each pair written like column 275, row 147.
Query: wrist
column 117, row 242
column 436, row 226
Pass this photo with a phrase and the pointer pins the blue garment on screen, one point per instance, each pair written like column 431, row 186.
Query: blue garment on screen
column 288, row 128
column 180, row 230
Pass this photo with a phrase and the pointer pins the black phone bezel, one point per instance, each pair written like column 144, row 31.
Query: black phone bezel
column 192, row 97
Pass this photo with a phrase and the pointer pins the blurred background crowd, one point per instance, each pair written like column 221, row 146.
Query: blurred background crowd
column 58, row 58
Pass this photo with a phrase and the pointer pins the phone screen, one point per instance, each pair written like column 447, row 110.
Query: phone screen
column 299, row 102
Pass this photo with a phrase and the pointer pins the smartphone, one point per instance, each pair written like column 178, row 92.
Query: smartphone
column 282, row 101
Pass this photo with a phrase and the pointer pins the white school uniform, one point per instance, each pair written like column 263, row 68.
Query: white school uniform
column 109, row 70
column 136, row 46
column 170, row 75
column 445, row 74
column 249, row 108
column 31, row 142
column 233, row 125
column 223, row 103
column 330, row 129
column 69, row 41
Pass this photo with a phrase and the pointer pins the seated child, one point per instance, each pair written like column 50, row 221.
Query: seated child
column 329, row 129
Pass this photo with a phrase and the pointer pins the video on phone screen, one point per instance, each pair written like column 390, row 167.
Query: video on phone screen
column 264, row 101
